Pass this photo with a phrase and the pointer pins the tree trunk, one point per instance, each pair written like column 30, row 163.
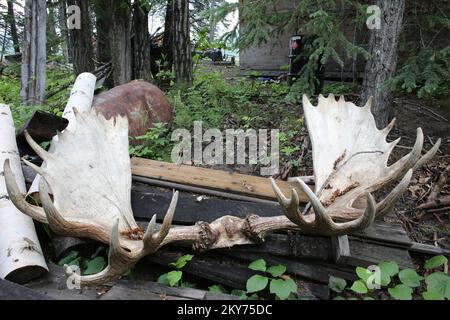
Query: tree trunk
column 13, row 26
column 168, row 36
column 33, row 73
column 62, row 23
column 381, row 66
column 52, row 37
column 182, row 55
column 120, row 34
column 81, row 40
column 103, row 23
column 140, row 43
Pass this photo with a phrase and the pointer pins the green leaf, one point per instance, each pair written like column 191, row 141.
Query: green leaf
column 339, row 298
column 68, row 259
column 363, row 273
column 401, row 292
column 173, row 277
column 369, row 298
column 389, row 267
column 218, row 288
column 162, row 279
column 359, row 287
column 277, row 271
column 435, row 262
column 257, row 283
column 258, row 265
column 410, row 278
column 336, row 284
column 439, row 283
column 427, row 295
column 283, row 288
column 182, row 261
column 94, row 266
column 97, row 252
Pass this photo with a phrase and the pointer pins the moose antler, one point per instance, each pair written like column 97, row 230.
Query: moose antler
column 90, row 178
column 350, row 159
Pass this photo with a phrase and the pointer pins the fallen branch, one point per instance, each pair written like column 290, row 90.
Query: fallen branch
column 438, row 203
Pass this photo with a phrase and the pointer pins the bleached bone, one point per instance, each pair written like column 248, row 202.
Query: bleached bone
column 350, row 159
column 90, row 176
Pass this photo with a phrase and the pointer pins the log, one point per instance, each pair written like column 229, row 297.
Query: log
column 81, row 98
column 21, row 257
column 12, row 291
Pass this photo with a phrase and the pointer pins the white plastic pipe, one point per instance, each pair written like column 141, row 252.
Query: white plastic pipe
column 21, row 257
column 81, row 98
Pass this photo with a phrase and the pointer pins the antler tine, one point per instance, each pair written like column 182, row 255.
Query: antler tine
column 391, row 199
column 36, row 147
column 428, row 156
column 152, row 238
column 55, row 220
column 290, row 206
column 119, row 262
column 18, row 199
column 324, row 224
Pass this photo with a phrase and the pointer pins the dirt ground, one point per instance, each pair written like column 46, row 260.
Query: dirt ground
column 433, row 116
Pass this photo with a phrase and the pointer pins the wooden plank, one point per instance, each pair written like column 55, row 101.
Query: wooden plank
column 386, row 232
column 54, row 285
column 428, row 249
column 301, row 268
column 340, row 249
column 147, row 201
column 180, row 292
column 209, row 178
column 12, row 291
column 123, row 293
column 364, row 254
column 226, row 271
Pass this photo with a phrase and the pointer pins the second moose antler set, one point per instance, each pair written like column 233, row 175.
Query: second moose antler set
column 350, row 158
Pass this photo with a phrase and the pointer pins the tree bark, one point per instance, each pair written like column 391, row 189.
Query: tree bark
column 33, row 73
column 140, row 43
column 62, row 23
column 81, row 40
column 182, row 55
column 168, row 36
column 120, row 34
column 52, row 37
column 21, row 257
column 103, row 23
column 13, row 26
column 382, row 64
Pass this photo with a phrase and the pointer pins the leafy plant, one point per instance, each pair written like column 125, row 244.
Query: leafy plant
column 155, row 144
column 280, row 285
column 174, row 277
column 92, row 265
column 395, row 283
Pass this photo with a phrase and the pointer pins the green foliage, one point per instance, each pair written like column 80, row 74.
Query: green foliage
column 280, row 285
column 175, row 277
column 398, row 284
column 323, row 21
column 88, row 265
column 155, row 144
column 427, row 74
column 435, row 262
